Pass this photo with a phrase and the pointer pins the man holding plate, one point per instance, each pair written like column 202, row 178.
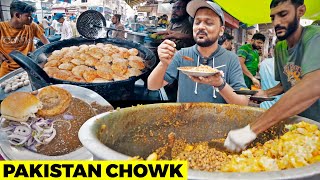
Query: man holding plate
column 218, row 88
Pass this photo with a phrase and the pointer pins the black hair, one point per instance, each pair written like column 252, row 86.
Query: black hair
column 225, row 37
column 259, row 36
column 118, row 16
column 296, row 3
column 21, row 7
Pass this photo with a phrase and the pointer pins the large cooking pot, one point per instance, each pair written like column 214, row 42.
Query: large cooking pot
column 111, row 91
column 141, row 130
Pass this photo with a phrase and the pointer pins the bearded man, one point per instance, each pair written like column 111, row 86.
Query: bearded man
column 180, row 28
column 297, row 67
column 207, row 27
column 249, row 59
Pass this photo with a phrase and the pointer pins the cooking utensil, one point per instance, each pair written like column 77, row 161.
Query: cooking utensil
column 245, row 92
column 194, row 122
column 187, row 58
column 220, row 66
column 90, row 23
column 112, row 91
column 261, row 99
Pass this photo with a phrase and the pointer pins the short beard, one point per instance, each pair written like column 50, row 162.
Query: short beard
column 292, row 27
column 178, row 19
column 254, row 46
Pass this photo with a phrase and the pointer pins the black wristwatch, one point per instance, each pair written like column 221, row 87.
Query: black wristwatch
column 222, row 85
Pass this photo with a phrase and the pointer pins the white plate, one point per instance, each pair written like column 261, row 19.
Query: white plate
column 20, row 153
column 196, row 73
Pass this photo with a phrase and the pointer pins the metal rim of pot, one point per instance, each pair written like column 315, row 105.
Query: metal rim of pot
column 88, row 137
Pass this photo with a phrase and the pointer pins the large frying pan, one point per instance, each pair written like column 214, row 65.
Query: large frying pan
column 111, row 91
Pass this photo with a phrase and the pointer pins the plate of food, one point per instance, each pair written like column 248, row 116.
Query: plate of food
column 200, row 71
column 45, row 126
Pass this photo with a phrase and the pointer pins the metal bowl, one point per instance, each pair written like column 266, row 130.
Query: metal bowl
column 141, row 130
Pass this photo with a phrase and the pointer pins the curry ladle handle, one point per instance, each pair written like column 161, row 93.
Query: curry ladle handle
column 38, row 76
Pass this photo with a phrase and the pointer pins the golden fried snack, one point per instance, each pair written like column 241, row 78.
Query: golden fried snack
column 52, row 63
column 119, row 78
column 79, row 70
column 133, row 51
column 100, row 45
column 62, row 74
column 75, row 78
column 119, row 68
column 106, row 59
column 55, row 101
column 74, row 48
column 77, row 62
column 84, row 56
column 124, row 52
column 132, row 72
column 89, row 76
column 66, row 66
column 106, row 74
column 51, row 70
column 100, row 80
column 137, row 64
column 102, row 66
column 91, row 62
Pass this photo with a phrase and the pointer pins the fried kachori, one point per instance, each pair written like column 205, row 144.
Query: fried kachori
column 55, row 100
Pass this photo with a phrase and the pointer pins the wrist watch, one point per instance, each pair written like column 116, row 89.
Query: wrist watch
column 222, row 85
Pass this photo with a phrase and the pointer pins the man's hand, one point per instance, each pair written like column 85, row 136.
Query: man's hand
column 238, row 139
column 2, row 58
column 166, row 51
column 175, row 35
column 163, row 32
column 261, row 93
column 256, row 82
column 215, row 80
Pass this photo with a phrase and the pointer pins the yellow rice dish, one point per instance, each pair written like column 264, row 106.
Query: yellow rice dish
column 296, row 148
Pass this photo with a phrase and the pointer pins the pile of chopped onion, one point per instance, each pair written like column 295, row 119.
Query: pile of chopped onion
column 31, row 134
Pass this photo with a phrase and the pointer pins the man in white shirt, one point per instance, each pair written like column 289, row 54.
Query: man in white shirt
column 66, row 29
column 45, row 24
column 56, row 26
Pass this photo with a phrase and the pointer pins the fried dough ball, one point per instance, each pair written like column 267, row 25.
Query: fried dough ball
column 51, row 70
column 124, row 52
column 133, row 51
column 106, row 74
column 120, row 61
column 62, row 74
column 89, row 76
column 55, row 101
column 100, row 80
column 132, row 72
column 75, row 48
column 66, row 66
column 100, row 45
column 75, row 78
column 119, row 78
column 137, row 64
column 102, row 66
column 79, row 70
column 52, row 63
column 77, row 62
column 119, row 68
column 91, row 62
column 84, row 56
column 106, row 59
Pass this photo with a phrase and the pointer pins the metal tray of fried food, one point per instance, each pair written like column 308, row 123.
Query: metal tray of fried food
column 11, row 75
